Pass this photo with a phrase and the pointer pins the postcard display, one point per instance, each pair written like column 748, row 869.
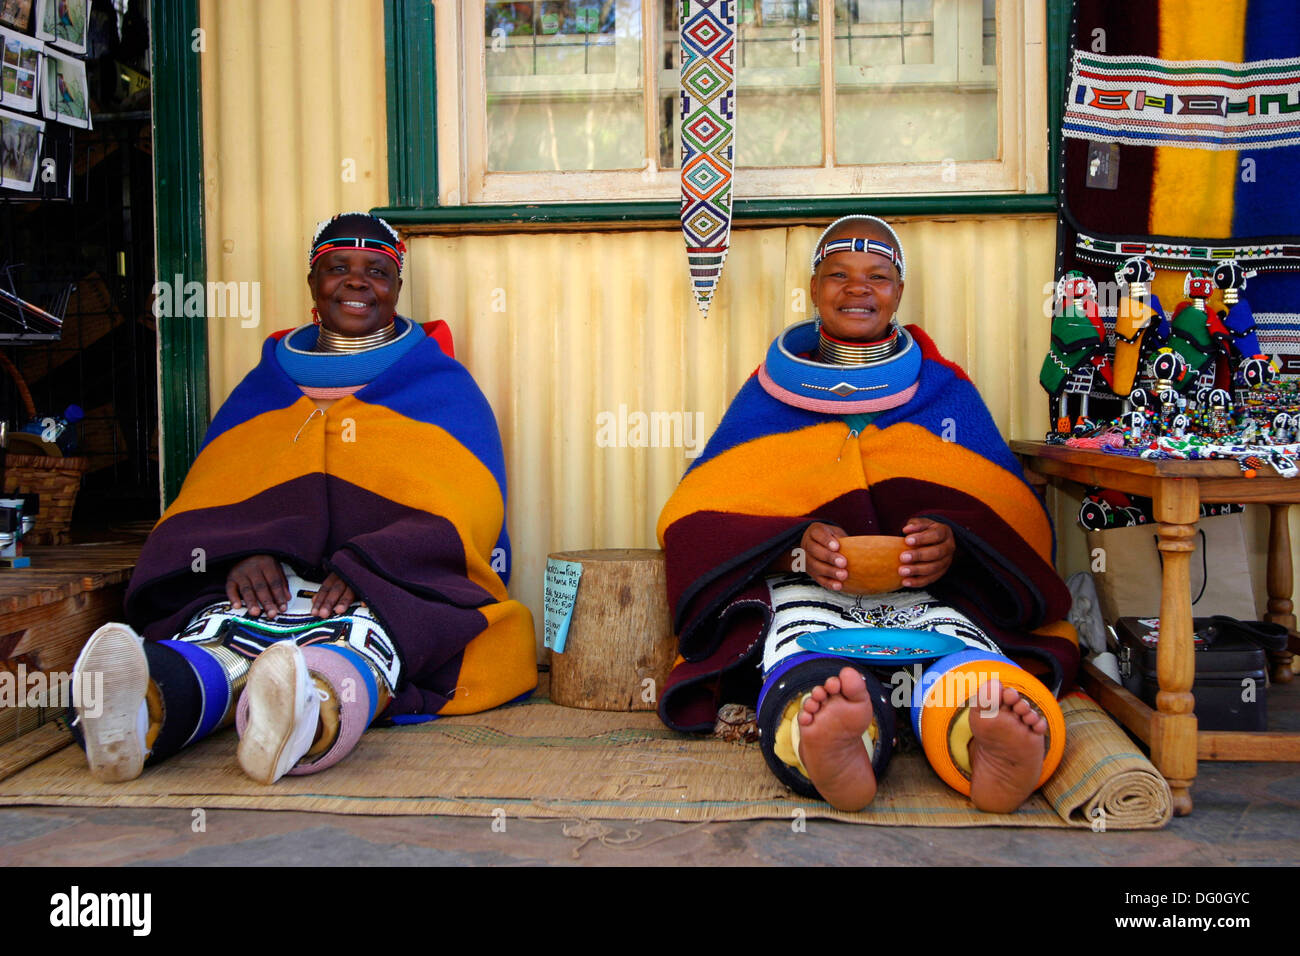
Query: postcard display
column 44, row 95
column 1176, row 318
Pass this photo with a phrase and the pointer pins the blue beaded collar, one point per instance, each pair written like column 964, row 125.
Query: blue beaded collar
column 339, row 369
column 837, row 389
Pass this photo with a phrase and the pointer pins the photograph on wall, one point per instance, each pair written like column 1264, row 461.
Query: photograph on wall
column 62, row 22
column 16, row 13
column 20, row 148
column 64, row 95
column 20, row 60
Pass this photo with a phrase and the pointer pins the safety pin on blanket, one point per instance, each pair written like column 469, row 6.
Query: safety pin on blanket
column 314, row 413
column 853, row 433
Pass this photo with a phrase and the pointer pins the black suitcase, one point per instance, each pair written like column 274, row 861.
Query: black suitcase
column 1231, row 667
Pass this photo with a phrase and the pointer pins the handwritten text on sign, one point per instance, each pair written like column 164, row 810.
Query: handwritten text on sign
column 561, row 591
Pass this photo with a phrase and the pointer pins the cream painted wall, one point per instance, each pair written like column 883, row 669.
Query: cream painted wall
column 558, row 328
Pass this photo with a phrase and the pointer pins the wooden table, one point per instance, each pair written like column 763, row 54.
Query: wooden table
column 47, row 612
column 1177, row 490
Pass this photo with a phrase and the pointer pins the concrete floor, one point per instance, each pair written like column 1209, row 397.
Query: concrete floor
column 1246, row 815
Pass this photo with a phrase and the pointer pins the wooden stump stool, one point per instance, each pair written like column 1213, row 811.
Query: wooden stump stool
column 620, row 646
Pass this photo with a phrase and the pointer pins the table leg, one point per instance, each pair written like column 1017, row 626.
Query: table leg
column 1173, row 726
column 1280, row 609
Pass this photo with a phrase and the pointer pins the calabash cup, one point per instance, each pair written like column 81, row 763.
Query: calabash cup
column 873, row 563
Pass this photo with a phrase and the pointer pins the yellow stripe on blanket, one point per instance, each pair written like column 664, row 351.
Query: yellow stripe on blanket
column 360, row 443
column 247, row 460
column 910, row 451
column 465, row 493
column 499, row 664
column 750, row 478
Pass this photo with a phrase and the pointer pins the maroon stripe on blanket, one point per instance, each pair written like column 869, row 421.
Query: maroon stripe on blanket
column 430, row 635
column 165, row 582
column 408, row 565
column 711, row 555
column 421, row 550
column 694, row 690
column 1127, row 28
column 994, row 568
column 1120, row 211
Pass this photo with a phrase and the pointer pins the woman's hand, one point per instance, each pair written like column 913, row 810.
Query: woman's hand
column 334, row 597
column 929, row 554
column 821, row 548
column 258, row 583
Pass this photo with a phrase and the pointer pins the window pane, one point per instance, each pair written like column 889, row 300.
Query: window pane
column 990, row 32
column 884, row 32
column 914, row 82
column 778, row 84
column 564, row 88
column 670, row 104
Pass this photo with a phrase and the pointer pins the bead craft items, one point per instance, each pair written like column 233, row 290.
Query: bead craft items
column 708, row 33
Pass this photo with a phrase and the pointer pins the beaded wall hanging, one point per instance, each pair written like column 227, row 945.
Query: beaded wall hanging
column 708, row 33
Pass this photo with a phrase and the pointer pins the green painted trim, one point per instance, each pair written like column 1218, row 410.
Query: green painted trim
column 412, row 104
column 744, row 209
column 412, row 149
column 1060, row 16
column 178, row 225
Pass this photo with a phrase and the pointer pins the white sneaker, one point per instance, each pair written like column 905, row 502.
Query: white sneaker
column 109, row 683
column 283, row 707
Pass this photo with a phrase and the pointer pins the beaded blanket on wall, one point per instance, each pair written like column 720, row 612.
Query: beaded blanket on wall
column 1180, row 148
column 708, row 33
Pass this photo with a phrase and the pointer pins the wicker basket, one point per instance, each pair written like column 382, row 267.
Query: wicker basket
column 56, row 480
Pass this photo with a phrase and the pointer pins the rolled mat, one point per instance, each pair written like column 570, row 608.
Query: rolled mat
column 1104, row 781
column 536, row 759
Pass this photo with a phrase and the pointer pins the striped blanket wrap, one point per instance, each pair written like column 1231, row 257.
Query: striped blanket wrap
column 770, row 470
column 399, row 488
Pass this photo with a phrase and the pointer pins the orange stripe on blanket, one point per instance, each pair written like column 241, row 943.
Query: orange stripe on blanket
column 1062, row 629
column 910, row 451
column 464, row 490
column 750, row 478
column 363, row 444
column 247, row 460
column 499, row 664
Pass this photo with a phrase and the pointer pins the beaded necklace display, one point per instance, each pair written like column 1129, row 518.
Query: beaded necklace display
column 330, row 341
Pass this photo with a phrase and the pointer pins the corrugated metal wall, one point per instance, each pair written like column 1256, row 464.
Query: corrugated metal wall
column 564, row 332
column 293, row 131
column 575, row 337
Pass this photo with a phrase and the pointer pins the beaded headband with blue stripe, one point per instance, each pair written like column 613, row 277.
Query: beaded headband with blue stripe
column 858, row 245
column 895, row 254
column 395, row 252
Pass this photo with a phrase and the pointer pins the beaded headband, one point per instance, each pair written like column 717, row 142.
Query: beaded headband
column 893, row 253
column 394, row 249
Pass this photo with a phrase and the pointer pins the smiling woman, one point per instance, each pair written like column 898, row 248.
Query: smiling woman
column 357, row 454
column 354, row 282
column 857, row 447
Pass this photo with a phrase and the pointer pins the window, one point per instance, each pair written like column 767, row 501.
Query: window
column 577, row 100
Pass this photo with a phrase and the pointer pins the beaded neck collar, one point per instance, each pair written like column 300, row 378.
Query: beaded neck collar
column 297, row 356
column 838, row 389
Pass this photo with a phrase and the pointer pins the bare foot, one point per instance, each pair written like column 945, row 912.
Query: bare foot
column 831, row 726
column 1007, row 749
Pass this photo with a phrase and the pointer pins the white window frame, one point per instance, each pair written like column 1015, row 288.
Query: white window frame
column 1020, row 74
